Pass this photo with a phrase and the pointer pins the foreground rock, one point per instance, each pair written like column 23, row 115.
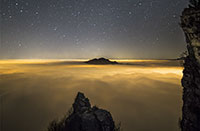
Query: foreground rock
column 190, row 22
column 85, row 118
column 101, row 61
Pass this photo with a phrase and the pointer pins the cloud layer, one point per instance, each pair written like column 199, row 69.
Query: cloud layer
column 141, row 97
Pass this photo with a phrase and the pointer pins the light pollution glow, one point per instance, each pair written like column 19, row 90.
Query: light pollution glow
column 144, row 92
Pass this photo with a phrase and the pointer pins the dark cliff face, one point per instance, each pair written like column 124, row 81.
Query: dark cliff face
column 85, row 118
column 190, row 23
column 191, row 96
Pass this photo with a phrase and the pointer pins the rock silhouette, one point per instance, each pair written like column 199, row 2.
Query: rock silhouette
column 101, row 61
column 190, row 23
column 85, row 118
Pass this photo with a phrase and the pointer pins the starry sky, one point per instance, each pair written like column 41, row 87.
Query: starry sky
column 65, row 29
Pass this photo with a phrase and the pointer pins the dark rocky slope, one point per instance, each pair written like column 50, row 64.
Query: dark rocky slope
column 190, row 23
column 85, row 118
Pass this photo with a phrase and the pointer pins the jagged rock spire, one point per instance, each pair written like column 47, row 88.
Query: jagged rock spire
column 81, row 103
column 85, row 118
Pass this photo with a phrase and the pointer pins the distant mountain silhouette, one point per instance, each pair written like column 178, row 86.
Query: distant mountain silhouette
column 101, row 61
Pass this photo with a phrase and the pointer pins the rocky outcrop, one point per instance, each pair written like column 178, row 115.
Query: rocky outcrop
column 101, row 61
column 190, row 23
column 85, row 118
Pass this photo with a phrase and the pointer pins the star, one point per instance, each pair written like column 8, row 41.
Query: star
column 174, row 16
column 63, row 36
column 140, row 3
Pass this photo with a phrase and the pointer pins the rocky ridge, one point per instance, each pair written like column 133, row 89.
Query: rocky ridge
column 85, row 118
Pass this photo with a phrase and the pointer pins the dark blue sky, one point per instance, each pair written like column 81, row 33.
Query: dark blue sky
column 91, row 28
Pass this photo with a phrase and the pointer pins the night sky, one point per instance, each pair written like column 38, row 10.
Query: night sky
column 42, row 29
